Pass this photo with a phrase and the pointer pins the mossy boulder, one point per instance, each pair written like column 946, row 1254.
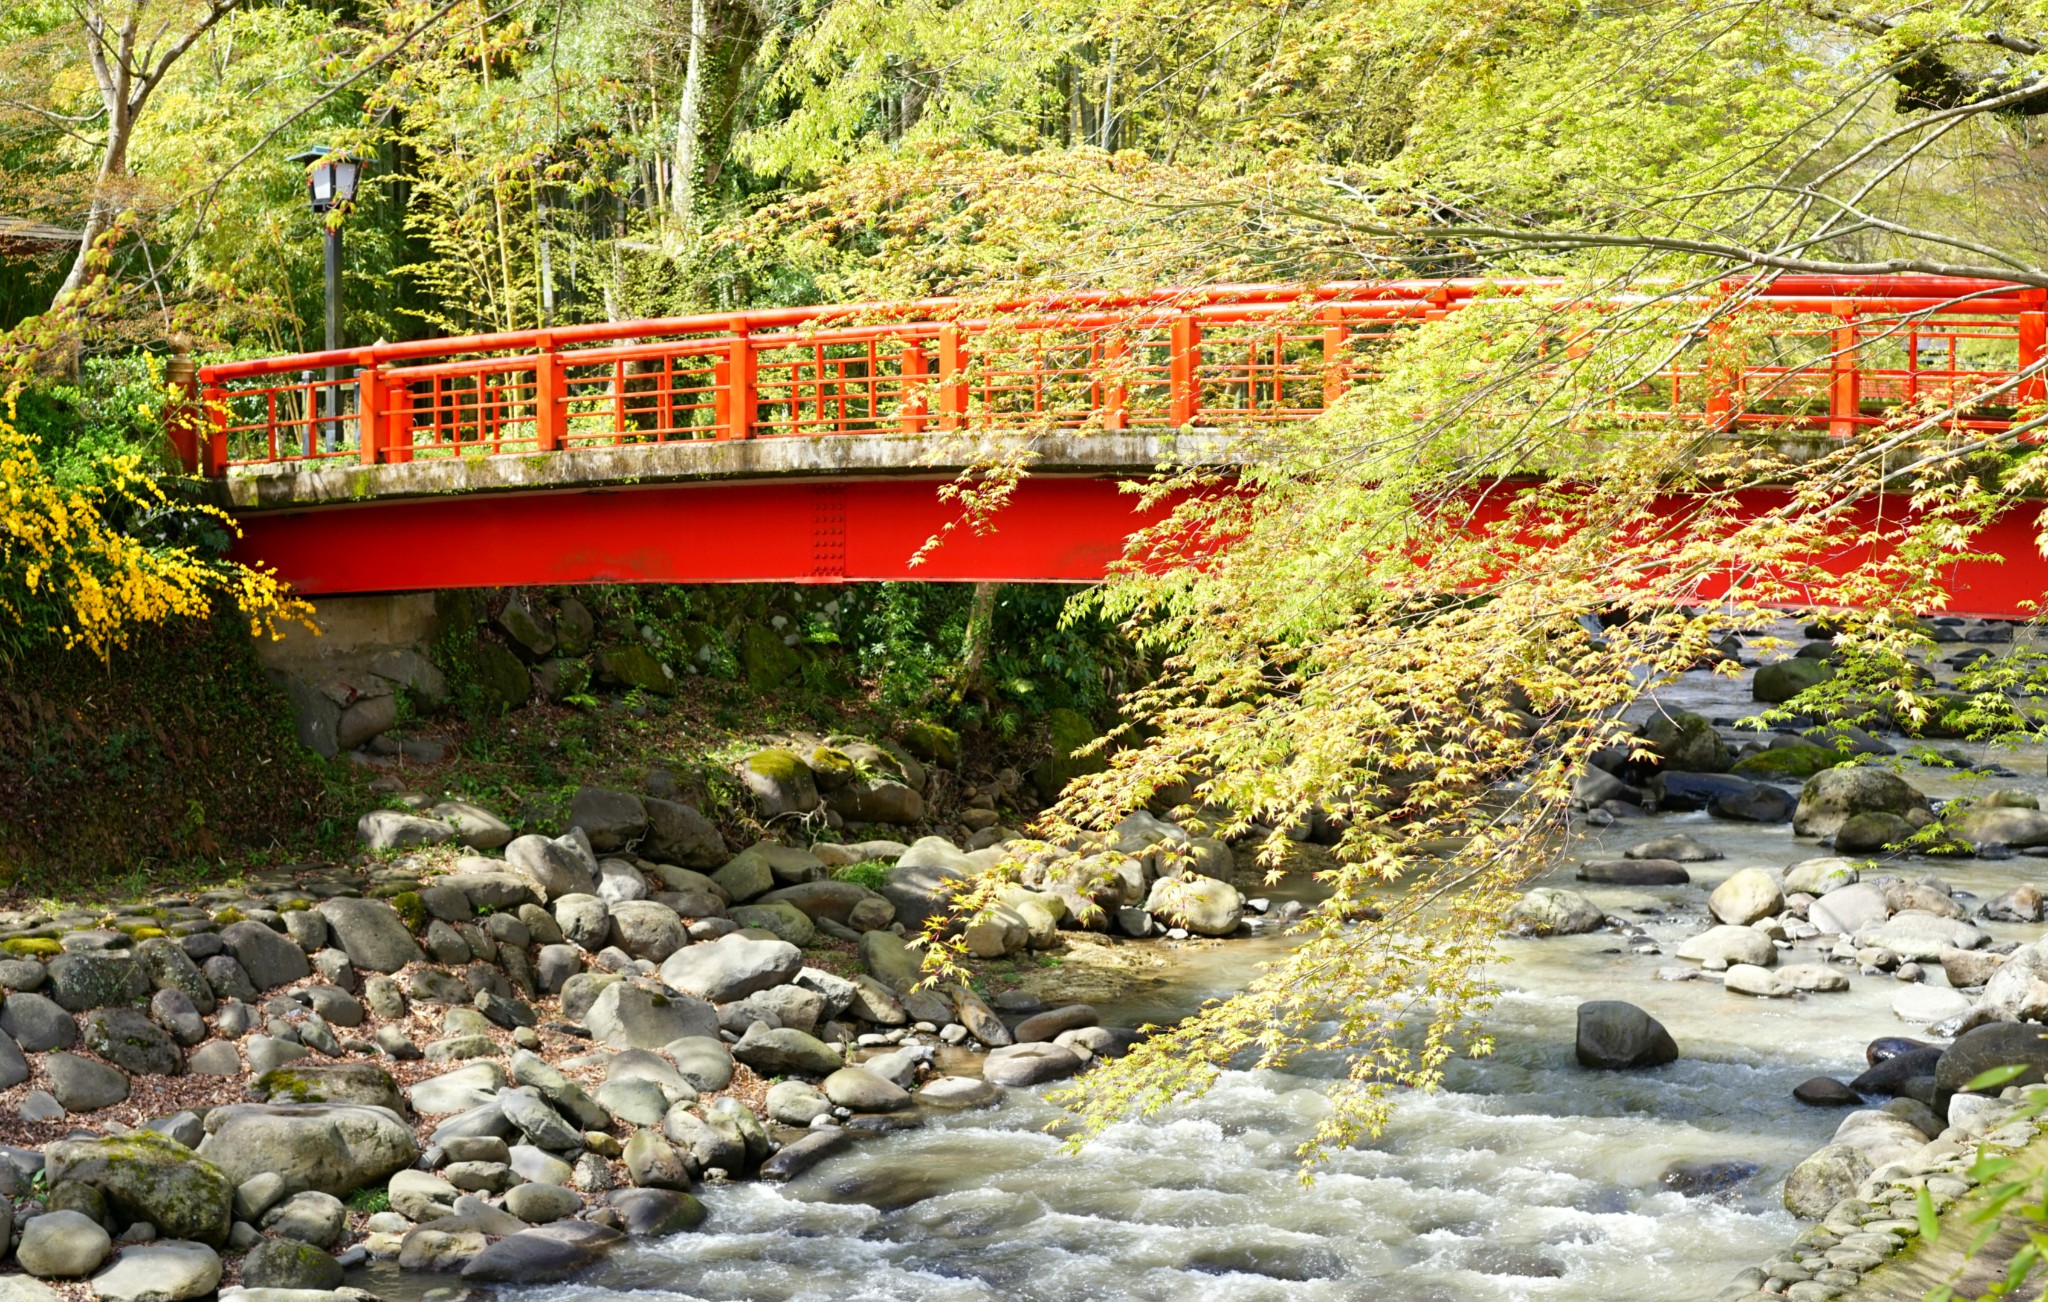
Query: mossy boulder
column 528, row 625
column 1069, row 731
column 765, row 662
column 933, row 743
column 501, row 677
column 342, row 1082
column 575, row 630
column 1788, row 762
column 150, row 1177
column 633, row 666
column 781, row 782
column 832, row 769
column 560, row 677
column 31, row 947
column 412, row 910
column 1687, row 743
column 1777, row 683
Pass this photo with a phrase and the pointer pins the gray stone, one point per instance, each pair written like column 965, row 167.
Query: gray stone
column 1547, row 911
column 540, row 1204
column 375, row 937
column 83, row 1085
column 1746, row 896
column 801, row 1155
column 168, row 1271
column 923, row 879
column 540, row 1123
column 795, row 1103
column 1030, row 1064
column 1730, row 945
column 257, row 1195
column 585, row 920
column 270, row 959
column 1917, row 935
column 678, row 834
column 169, row 967
column 394, row 829
column 286, row 1264
column 37, row 1024
column 612, row 820
column 128, row 1039
column 625, row 1016
column 228, row 980
column 702, row 1061
column 96, row 980
column 62, row 1245
column 775, row 1052
column 1617, row 1036
column 862, row 1090
column 307, row 929
column 1824, row 1179
column 732, row 967
column 653, row 1163
column 1204, row 905
column 649, row 1213
column 958, row 1092
column 315, row 1218
column 565, row 865
column 217, row 1058
column 475, row 827
column 547, row 1254
column 174, row 1012
column 334, row 1148
column 646, row 929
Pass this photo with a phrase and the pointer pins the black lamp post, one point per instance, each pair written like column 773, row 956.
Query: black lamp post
column 331, row 179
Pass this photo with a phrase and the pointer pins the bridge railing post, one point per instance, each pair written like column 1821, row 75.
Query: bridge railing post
column 214, row 455
column 1116, row 388
column 550, row 408
column 1720, row 375
column 370, row 411
column 185, row 416
column 952, row 378
column 1336, row 356
column 396, row 441
column 1845, row 383
column 741, row 385
column 2033, row 345
column 917, row 368
column 1184, row 365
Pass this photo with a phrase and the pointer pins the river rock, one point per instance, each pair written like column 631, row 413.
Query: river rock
column 1681, row 792
column 1917, row 935
column 1981, row 825
column 773, row 1052
column 1678, row 848
column 1813, row 978
column 371, row 932
column 169, row 967
column 1635, row 872
column 128, row 1039
column 1616, row 1036
column 1970, row 967
column 1895, row 1075
column 2018, row 990
column 1748, row 979
column 1781, row 680
column 541, row 1124
column 83, row 981
column 1826, row 1092
column 395, row 829
column 1848, row 910
column 958, row 1092
column 796, row 1158
column 610, row 820
column 270, row 959
column 625, row 1016
column 1030, row 1064
column 334, row 1148
column 2020, row 904
column 1819, row 877
column 1687, row 742
column 795, row 1103
column 1824, row 1179
column 564, row 865
column 780, row 781
column 285, row 1264
column 37, row 1023
column 1871, row 832
column 475, row 827
column 147, row 1177
column 647, row 930
column 2001, row 1044
column 923, row 880
column 315, row 1218
column 654, row 1213
column 1204, row 905
column 1548, row 911
column 62, row 1245
column 732, row 967
column 703, row 1061
column 83, row 1085
column 677, row 833
column 1831, row 798
column 1746, row 896
column 1758, row 802
column 861, row 1090
column 1922, row 1004
column 168, row 1271
column 1730, row 945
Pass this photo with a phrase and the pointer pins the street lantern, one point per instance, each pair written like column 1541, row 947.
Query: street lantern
column 331, row 179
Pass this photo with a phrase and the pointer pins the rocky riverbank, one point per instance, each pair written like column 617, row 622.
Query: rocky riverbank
column 497, row 1056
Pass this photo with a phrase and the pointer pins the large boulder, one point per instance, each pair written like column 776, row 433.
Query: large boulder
column 2001, row 1044
column 395, row 829
column 1830, row 799
column 773, row 1052
column 1746, row 896
column 374, row 936
column 1777, row 683
column 732, row 967
column 332, row 1148
column 564, row 865
column 922, row 882
column 1849, row 909
column 1686, row 792
column 62, row 1245
column 1825, row 1178
column 780, row 781
column 546, row 1254
column 1617, row 1036
column 128, row 1039
column 1819, row 877
column 1687, row 743
column 877, row 800
column 270, row 958
column 148, row 1177
column 1548, row 911
column 647, row 930
column 836, row 900
column 677, row 833
column 1204, row 905
column 2018, row 990
column 1982, row 825
column 1030, row 1064
column 94, row 980
column 612, row 820
column 1916, row 935
column 1730, row 945
column 625, row 1016
column 166, row 1271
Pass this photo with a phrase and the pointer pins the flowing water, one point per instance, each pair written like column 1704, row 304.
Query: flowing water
column 1526, row 1177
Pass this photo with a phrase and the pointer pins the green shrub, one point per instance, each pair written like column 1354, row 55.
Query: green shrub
column 870, row 873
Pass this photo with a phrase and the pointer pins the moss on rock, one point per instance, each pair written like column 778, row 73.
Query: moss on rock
column 31, row 947
column 412, row 910
column 1789, row 762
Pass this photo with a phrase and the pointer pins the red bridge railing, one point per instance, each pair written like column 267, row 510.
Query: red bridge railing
column 1832, row 354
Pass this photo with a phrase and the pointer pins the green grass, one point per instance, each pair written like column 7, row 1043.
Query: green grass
column 871, row 873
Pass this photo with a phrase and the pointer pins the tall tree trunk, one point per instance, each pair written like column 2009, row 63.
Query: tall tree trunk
column 981, row 625
column 690, row 117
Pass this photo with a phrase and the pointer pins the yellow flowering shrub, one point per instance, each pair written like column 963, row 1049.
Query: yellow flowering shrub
column 68, row 573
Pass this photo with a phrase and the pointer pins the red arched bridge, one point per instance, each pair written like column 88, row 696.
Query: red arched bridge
column 810, row 444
